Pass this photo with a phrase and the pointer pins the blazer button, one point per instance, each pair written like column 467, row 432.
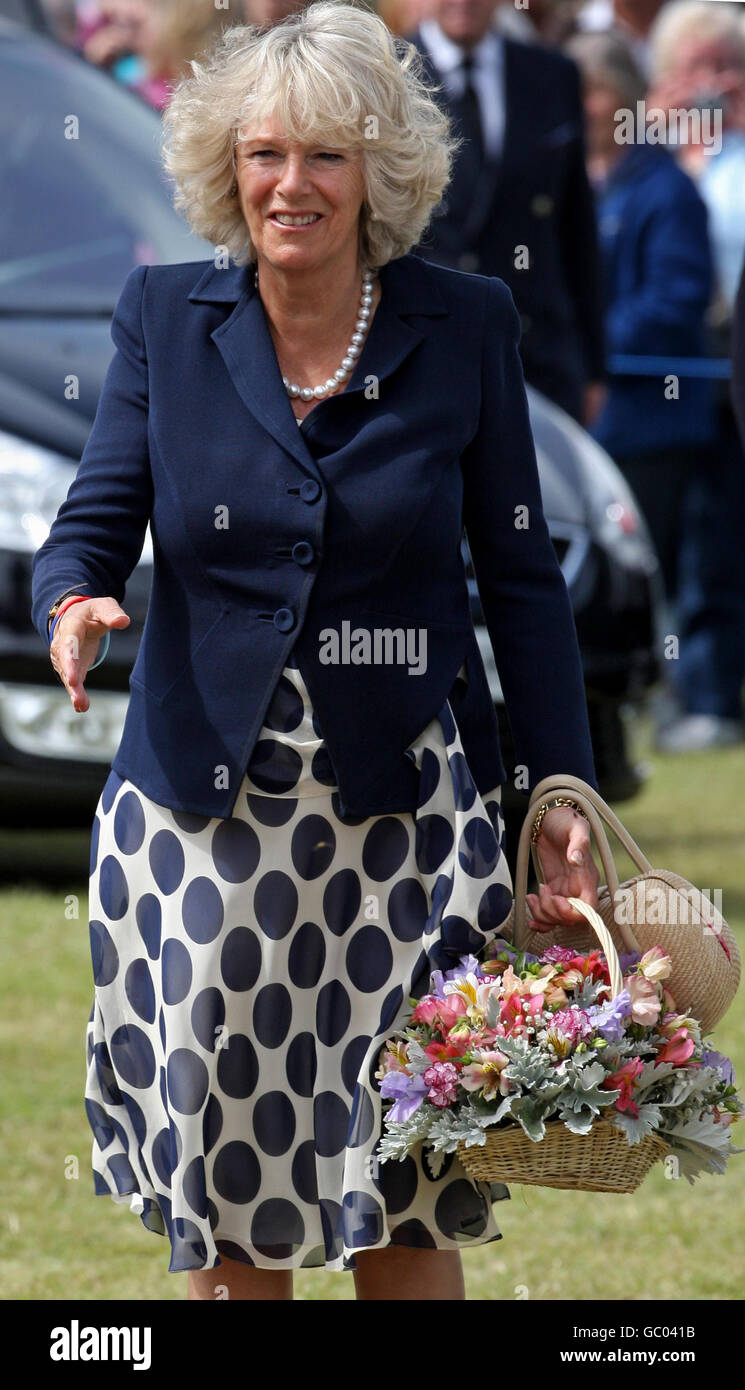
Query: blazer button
column 284, row 619
column 542, row 205
column 310, row 490
column 302, row 553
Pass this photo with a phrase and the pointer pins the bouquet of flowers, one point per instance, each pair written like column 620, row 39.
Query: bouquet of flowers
column 516, row 1040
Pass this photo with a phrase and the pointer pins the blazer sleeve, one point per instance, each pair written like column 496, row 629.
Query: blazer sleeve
column 676, row 275
column 523, row 592
column 97, row 536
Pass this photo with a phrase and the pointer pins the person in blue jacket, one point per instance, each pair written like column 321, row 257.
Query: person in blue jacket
column 659, row 279
column 303, row 817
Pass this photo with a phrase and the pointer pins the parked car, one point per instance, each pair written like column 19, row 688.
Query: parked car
column 76, row 215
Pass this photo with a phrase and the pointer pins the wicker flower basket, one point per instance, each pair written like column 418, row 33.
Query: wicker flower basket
column 600, row 1161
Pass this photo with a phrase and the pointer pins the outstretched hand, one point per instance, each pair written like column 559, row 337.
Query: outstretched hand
column 75, row 643
column 564, row 835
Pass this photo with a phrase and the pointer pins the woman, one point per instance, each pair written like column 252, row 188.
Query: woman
column 659, row 277
column 308, row 636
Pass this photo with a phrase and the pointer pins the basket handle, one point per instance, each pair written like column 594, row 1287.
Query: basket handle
column 596, row 811
column 606, row 941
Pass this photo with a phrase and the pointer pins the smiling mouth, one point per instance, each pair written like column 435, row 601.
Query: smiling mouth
column 295, row 223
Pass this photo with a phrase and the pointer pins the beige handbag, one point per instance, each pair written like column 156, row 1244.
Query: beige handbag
column 655, row 908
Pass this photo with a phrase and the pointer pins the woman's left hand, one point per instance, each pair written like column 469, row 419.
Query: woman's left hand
column 564, row 834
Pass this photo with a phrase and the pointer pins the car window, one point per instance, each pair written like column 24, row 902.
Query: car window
column 84, row 196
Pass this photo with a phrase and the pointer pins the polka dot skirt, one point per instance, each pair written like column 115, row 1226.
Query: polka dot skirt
column 247, row 974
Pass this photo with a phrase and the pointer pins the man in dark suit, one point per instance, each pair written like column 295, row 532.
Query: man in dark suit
column 519, row 204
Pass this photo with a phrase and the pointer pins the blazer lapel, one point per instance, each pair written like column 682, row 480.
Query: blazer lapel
column 246, row 346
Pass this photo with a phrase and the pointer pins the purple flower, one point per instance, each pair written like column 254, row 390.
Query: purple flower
column 500, row 946
column 438, row 977
column 466, row 965
column 558, row 955
column 627, row 960
column 717, row 1059
column 436, row 982
column 408, row 1091
column 608, row 1018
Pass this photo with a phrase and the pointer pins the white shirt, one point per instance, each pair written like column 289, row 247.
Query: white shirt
column 487, row 76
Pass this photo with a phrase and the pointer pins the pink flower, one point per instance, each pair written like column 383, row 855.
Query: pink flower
column 678, row 1049
column 486, row 1074
column 427, row 1010
column 441, row 1079
column 393, row 1057
column 558, row 953
column 624, row 1079
column 573, row 1024
column 513, row 1016
column 645, row 1000
column 442, row 1013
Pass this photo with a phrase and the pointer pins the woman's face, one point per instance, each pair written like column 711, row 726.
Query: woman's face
column 277, row 175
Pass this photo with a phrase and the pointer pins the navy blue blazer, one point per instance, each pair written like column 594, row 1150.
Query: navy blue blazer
column 659, row 278
column 260, row 548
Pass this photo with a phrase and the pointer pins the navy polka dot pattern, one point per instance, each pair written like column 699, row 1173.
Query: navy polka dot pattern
column 247, row 972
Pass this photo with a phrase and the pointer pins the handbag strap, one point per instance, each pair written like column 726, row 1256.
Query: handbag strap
column 560, row 783
column 563, row 784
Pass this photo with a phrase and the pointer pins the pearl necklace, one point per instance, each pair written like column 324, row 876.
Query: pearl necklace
column 348, row 361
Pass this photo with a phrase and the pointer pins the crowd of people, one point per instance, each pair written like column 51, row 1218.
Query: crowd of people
column 624, row 256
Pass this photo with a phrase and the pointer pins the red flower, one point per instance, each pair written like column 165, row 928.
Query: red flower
column 444, row 1051
column 592, row 965
column 677, row 1049
column 624, row 1079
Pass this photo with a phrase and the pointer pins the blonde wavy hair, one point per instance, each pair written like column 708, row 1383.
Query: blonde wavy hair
column 332, row 74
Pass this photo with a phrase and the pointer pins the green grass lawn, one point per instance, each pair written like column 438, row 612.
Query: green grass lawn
column 669, row 1240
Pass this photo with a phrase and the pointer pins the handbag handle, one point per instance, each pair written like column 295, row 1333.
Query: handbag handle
column 606, row 941
column 582, row 791
column 596, row 811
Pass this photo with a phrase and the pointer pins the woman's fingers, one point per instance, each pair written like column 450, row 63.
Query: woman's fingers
column 76, row 638
column 66, row 659
column 549, row 909
column 554, row 909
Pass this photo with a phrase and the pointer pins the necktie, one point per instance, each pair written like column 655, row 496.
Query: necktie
column 468, row 162
column 468, row 113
